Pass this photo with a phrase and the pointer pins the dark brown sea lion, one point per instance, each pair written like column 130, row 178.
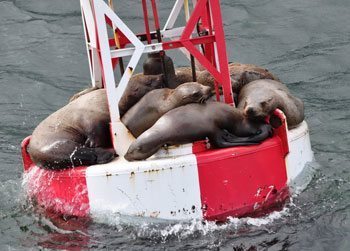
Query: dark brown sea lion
column 224, row 125
column 175, row 76
column 154, row 104
column 153, row 65
column 75, row 135
column 261, row 97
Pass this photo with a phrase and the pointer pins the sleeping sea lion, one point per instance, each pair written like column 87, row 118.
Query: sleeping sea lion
column 261, row 97
column 224, row 125
column 77, row 134
column 154, row 104
column 137, row 87
column 241, row 74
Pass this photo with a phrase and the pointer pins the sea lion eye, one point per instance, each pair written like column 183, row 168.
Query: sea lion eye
column 264, row 103
column 195, row 94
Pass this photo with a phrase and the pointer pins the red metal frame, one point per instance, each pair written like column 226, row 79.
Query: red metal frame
column 207, row 15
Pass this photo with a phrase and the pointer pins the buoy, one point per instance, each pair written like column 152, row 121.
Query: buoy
column 182, row 182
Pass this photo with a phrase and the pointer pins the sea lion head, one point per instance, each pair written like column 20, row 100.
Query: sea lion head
column 135, row 152
column 205, row 78
column 153, row 65
column 143, row 147
column 193, row 92
column 259, row 105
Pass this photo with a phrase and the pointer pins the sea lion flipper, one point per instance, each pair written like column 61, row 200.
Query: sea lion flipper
column 104, row 155
column 224, row 139
column 91, row 156
column 265, row 131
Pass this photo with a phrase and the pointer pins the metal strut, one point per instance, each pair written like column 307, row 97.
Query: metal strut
column 205, row 16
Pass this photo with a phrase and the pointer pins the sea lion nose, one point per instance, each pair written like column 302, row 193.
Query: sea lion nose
column 250, row 111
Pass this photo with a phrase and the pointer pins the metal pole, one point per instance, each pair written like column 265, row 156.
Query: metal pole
column 159, row 37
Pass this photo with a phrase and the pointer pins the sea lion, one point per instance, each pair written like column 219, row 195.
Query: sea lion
column 261, row 97
column 175, row 76
column 75, row 135
column 184, row 74
column 139, row 84
column 224, row 125
column 241, row 74
column 154, row 104
column 153, row 65
column 137, row 87
column 83, row 92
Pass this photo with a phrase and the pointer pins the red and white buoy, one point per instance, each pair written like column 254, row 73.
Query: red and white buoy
column 182, row 182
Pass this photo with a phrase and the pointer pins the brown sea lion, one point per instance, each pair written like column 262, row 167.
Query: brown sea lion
column 261, row 97
column 224, row 125
column 137, row 87
column 83, row 92
column 154, row 104
column 241, row 74
column 139, row 84
column 77, row 134
column 184, row 74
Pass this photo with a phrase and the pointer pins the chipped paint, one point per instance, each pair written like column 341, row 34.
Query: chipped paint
column 154, row 214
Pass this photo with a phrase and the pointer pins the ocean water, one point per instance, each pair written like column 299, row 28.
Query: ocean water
column 305, row 43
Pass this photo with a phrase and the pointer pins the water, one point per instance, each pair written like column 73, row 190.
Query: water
column 305, row 43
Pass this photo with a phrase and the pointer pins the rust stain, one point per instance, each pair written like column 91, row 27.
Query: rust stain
column 153, row 170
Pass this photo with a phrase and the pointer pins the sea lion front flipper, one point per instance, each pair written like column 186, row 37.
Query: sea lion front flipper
column 91, row 156
column 104, row 155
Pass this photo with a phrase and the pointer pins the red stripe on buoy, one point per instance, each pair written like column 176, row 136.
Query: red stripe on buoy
column 62, row 191
column 242, row 181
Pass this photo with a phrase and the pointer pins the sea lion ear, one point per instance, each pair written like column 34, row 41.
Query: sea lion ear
column 245, row 104
column 195, row 93
column 264, row 103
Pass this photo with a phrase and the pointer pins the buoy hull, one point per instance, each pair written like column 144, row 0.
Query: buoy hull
column 188, row 182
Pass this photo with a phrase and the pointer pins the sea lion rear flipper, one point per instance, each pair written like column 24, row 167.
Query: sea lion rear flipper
column 265, row 131
column 224, row 139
